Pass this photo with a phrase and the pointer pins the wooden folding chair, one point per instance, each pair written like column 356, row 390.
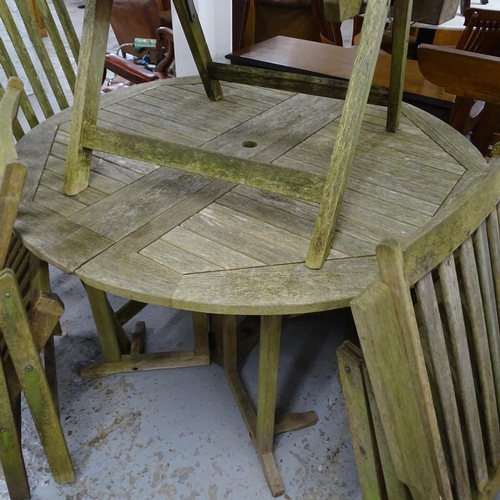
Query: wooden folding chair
column 430, row 337
column 29, row 314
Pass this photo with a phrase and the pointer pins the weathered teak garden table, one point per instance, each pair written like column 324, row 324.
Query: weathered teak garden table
column 174, row 238
column 191, row 228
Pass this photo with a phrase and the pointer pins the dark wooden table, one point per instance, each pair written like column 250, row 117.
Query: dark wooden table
column 320, row 59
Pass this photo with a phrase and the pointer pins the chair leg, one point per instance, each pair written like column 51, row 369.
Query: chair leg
column 11, row 455
column 483, row 133
column 24, row 354
column 49, row 357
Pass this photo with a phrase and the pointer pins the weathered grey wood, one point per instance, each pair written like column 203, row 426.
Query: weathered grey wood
column 90, row 64
column 449, row 139
column 461, row 361
column 231, row 169
column 347, row 138
column 8, row 112
column 394, row 488
column 400, row 38
column 450, row 227
column 306, row 84
column 24, row 103
column 485, row 323
column 270, row 332
column 438, row 354
column 11, row 455
column 144, row 362
column 105, row 325
column 394, row 274
column 58, row 44
column 360, row 422
column 16, row 126
column 17, row 334
column 196, row 39
column 138, row 339
column 41, row 51
column 494, row 244
column 68, row 28
column 24, row 58
column 395, row 391
column 129, row 310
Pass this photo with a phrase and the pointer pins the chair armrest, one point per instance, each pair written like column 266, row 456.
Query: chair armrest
column 128, row 70
column 460, row 72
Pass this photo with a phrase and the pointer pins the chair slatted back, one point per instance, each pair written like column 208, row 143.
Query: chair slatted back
column 327, row 29
column 430, row 336
column 23, row 51
column 481, row 33
column 29, row 314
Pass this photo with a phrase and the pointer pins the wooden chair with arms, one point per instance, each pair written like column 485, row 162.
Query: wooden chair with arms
column 429, row 333
column 441, row 65
column 29, row 314
column 132, row 19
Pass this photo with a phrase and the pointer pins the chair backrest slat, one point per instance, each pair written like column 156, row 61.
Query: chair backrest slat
column 10, row 70
column 451, row 323
column 460, row 359
column 486, row 247
column 437, row 350
column 68, row 28
column 479, row 295
column 46, row 63
column 482, row 32
column 25, row 59
column 48, row 66
column 60, row 51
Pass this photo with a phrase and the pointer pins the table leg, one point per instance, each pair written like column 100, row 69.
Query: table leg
column 270, row 336
column 262, row 424
column 121, row 355
column 106, row 326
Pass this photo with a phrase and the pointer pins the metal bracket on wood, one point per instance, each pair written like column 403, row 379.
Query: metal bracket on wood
column 192, row 9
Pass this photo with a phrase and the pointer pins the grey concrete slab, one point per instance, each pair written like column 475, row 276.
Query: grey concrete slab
column 177, row 434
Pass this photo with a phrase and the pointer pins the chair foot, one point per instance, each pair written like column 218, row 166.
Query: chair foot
column 272, row 475
column 288, row 422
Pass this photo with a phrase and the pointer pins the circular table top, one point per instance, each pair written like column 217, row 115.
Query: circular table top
column 182, row 240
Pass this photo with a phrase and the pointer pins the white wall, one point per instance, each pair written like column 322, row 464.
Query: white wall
column 216, row 21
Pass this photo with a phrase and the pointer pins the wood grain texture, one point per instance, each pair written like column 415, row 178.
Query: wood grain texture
column 393, row 386
column 147, row 225
column 348, row 136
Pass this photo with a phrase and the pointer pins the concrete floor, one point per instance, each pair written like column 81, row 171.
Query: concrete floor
column 177, row 434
